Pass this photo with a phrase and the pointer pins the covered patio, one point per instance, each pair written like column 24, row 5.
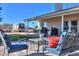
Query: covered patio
column 63, row 21
column 60, row 20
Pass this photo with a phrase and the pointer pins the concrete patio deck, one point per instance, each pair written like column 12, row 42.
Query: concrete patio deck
column 33, row 52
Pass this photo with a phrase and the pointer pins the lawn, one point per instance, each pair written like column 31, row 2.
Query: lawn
column 17, row 37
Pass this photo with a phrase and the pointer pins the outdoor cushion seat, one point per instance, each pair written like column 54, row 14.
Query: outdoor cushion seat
column 9, row 47
column 54, row 50
column 17, row 47
column 53, row 41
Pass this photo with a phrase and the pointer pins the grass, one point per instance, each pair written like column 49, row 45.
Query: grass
column 17, row 37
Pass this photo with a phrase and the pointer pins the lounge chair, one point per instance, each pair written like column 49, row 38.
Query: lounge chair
column 9, row 47
column 69, row 42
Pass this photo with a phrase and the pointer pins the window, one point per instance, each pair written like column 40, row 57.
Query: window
column 74, row 26
column 66, row 26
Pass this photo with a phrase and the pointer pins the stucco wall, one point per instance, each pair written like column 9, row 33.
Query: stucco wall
column 72, row 17
column 53, row 22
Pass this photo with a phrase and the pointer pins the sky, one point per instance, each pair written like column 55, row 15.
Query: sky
column 14, row 13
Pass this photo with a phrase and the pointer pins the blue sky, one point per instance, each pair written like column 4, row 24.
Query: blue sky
column 14, row 13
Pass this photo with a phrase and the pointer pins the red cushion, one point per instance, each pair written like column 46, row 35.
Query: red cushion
column 52, row 45
column 53, row 41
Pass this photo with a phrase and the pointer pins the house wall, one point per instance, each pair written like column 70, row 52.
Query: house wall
column 72, row 17
column 56, row 22
column 53, row 22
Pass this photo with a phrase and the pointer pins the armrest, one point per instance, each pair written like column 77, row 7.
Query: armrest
column 59, row 44
column 21, row 40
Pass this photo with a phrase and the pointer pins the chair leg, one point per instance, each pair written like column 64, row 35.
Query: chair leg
column 3, row 53
column 27, row 52
column 43, row 51
column 7, row 53
column 20, row 53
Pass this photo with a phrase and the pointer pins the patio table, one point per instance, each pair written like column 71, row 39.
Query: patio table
column 37, row 40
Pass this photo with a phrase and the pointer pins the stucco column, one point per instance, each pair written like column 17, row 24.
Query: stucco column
column 39, row 27
column 69, row 25
column 78, row 26
column 38, row 24
column 27, row 26
column 62, row 23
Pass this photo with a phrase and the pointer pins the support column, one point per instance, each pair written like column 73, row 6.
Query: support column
column 39, row 27
column 77, row 26
column 27, row 26
column 38, row 24
column 69, row 26
column 62, row 23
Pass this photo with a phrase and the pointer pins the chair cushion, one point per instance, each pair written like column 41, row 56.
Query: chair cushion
column 53, row 50
column 7, row 40
column 53, row 41
column 17, row 47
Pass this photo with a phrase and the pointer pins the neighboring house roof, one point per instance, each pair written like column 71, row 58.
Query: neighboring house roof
column 6, row 26
column 53, row 13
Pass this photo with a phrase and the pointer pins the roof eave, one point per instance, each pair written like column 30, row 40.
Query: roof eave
column 52, row 14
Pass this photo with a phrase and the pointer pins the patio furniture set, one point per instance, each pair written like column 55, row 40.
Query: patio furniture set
column 68, row 43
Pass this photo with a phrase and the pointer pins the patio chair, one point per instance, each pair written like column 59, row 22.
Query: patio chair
column 9, row 47
column 69, row 42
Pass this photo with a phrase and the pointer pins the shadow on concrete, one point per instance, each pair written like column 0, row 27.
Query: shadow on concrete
column 35, row 54
column 74, row 54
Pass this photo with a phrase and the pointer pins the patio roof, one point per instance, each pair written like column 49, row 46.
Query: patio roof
column 56, row 13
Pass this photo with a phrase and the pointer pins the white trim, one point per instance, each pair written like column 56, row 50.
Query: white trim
column 51, row 15
column 62, row 23
column 39, row 28
column 58, row 15
column 61, row 12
